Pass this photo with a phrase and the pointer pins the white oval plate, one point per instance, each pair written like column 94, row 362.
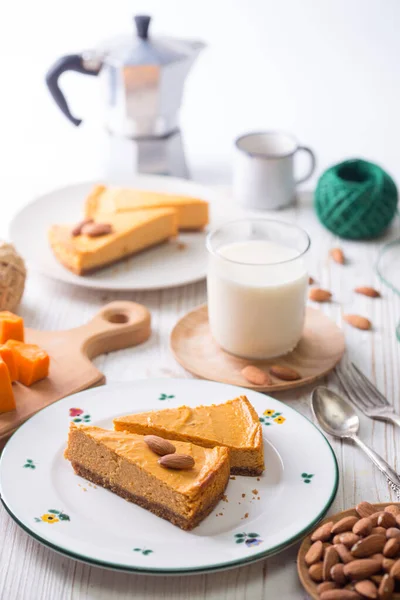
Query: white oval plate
column 260, row 517
column 164, row 266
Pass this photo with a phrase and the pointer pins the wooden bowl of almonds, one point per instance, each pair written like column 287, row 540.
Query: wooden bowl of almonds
column 353, row 555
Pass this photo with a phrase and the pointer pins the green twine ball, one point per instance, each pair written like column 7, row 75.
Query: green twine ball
column 356, row 199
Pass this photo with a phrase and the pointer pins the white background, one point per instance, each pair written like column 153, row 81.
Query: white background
column 326, row 70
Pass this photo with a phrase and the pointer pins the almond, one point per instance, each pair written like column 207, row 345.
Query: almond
column 392, row 508
column 326, row 585
column 386, row 520
column 393, row 532
column 159, row 445
column 349, row 539
column 379, row 531
column 314, row 553
column 358, row 322
column 337, row 574
column 323, row 533
column 387, row 564
column 362, row 568
column 398, row 520
column 311, row 280
column 376, row 579
column 368, row 546
column 336, row 539
column 395, row 570
column 337, row 255
column 331, row 558
column 256, row 376
column 176, row 461
column 363, row 526
column 386, row 588
column 365, row 509
column 339, row 595
column 379, row 556
column 319, row 295
column 315, row 572
column 391, row 548
column 374, row 518
column 367, row 589
column 344, row 553
column 367, row 291
column 284, row 373
column 96, row 229
column 78, row 228
column 345, row 524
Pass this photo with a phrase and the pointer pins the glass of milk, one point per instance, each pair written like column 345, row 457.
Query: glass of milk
column 256, row 285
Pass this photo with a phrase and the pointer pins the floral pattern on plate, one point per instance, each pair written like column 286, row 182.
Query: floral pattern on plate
column 165, row 397
column 249, row 539
column 79, row 416
column 270, row 416
column 144, row 551
column 53, row 516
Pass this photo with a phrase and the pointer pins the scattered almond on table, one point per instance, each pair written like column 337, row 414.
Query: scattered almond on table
column 337, row 255
column 319, row 295
column 367, row 291
column 358, row 322
column 349, row 560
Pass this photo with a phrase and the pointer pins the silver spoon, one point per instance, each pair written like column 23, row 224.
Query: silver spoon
column 338, row 418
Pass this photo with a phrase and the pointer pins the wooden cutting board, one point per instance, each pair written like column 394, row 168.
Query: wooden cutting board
column 116, row 326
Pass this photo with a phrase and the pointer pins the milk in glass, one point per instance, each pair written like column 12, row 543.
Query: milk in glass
column 256, row 297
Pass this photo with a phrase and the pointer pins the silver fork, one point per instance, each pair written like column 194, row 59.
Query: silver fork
column 366, row 397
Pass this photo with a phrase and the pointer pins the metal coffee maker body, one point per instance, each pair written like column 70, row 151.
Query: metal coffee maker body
column 143, row 82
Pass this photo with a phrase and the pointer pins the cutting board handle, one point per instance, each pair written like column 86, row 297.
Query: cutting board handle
column 116, row 326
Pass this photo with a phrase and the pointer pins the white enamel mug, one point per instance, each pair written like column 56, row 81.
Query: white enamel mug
column 263, row 175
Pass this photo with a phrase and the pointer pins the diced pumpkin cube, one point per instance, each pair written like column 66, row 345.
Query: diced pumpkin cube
column 8, row 356
column 11, row 327
column 32, row 362
column 7, row 400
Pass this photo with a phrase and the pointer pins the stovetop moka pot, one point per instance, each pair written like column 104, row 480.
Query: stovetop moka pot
column 143, row 81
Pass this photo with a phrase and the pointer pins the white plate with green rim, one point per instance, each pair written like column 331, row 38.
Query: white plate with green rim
column 88, row 523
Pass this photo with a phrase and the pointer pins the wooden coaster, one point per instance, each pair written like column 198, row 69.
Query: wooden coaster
column 319, row 350
column 309, row 585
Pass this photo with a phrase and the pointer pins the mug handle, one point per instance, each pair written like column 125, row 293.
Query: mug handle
column 312, row 166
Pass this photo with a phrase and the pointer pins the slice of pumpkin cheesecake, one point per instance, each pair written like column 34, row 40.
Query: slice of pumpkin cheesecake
column 182, row 486
column 192, row 212
column 234, row 424
column 106, row 239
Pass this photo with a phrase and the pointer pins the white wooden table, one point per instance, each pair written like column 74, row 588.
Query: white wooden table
column 29, row 571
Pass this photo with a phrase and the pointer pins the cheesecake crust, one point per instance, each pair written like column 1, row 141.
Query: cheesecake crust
column 157, row 509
